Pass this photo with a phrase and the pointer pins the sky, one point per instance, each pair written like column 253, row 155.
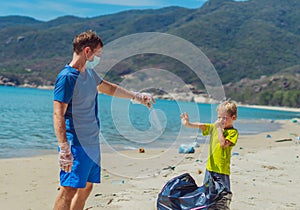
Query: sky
column 46, row 10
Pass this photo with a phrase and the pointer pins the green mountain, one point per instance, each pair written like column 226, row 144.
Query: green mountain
column 246, row 41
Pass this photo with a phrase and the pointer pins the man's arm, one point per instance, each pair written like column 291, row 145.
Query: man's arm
column 114, row 90
column 65, row 155
column 120, row 92
column 59, row 121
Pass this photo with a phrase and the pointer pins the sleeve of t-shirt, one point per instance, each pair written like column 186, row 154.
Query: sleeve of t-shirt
column 231, row 135
column 64, row 88
column 98, row 79
column 207, row 130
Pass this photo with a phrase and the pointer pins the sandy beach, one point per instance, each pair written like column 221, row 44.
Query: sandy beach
column 264, row 175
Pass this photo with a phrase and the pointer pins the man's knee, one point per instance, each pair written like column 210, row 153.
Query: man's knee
column 67, row 193
column 89, row 187
column 83, row 193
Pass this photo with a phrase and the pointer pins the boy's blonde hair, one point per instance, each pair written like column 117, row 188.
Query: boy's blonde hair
column 228, row 107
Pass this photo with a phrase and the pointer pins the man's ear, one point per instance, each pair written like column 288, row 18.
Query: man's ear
column 234, row 117
column 87, row 50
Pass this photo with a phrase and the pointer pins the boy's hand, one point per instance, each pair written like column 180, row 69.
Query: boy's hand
column 219, row 123
column 184, row 118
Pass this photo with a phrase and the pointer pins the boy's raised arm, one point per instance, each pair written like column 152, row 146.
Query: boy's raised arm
column 185, row 121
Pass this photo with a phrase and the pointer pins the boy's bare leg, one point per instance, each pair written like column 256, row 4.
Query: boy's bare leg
column 223, row 204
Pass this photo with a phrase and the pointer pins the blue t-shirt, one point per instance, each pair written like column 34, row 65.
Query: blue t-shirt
column 79, row 91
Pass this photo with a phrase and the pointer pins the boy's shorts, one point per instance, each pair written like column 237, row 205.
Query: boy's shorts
column 86, row 167
column 224, row 202
column 223, row 178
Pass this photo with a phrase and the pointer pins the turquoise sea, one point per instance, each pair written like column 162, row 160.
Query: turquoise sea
column 26, row 126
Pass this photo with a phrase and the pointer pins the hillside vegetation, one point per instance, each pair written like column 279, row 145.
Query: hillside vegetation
column 254, row 46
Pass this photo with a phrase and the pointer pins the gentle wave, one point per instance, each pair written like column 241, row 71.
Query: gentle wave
column 27, row 126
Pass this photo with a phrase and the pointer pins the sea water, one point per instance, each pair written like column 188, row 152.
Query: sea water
column 26, row 124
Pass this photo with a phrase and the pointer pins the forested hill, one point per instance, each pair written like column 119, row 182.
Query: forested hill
column 247, row 42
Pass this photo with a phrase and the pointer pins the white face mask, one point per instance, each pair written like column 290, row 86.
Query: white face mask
column 92, row 64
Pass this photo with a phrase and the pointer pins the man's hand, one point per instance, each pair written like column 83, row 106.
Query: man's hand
column 65, row 158
column 144, row 98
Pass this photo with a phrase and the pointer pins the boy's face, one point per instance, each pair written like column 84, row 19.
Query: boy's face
column 225, row 119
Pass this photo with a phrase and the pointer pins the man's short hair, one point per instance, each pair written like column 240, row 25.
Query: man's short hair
column 86, row 39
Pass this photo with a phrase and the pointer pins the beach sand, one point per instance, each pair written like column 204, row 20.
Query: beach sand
column 264, row 175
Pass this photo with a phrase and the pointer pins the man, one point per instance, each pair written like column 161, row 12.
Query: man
column 76, row 123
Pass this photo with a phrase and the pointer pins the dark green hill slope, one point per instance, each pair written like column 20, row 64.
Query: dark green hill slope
column 244, row 40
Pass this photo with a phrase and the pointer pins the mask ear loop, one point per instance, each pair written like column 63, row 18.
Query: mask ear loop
column 86, row 53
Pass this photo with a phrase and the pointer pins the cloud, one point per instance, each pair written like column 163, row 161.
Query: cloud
column 137, row 3
column 41, row 9
column 144, row 3
column 35, row 5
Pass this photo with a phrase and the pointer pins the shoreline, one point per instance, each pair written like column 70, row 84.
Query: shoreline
column 261, row 169
column 27, row 153
column 202, row 99
column 275, row 108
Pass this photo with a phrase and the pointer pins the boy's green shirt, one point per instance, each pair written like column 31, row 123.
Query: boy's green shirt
column 219, row 158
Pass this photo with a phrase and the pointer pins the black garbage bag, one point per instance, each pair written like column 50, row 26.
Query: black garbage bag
column 182, row 193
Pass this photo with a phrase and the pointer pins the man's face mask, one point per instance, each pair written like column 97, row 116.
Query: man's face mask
column 92, row 64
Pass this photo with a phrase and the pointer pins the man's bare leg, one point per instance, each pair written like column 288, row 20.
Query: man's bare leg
column 81, row 196
column 64, row 198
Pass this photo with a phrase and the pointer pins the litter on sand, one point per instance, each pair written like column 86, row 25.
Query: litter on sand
column 282, row 140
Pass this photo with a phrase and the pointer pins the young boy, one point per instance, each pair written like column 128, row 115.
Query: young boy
column 223, row 136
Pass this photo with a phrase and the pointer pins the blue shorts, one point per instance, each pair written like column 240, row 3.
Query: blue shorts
column 86, row 167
